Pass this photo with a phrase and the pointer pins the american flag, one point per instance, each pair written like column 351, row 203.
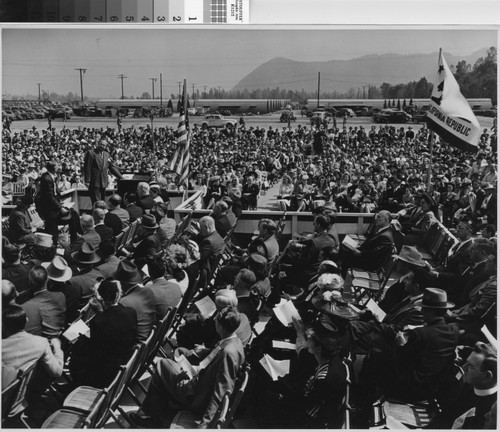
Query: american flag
column 180, row 161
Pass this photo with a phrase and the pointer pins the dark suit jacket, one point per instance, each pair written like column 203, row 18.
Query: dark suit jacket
column 134, row 211
column 430, row 350
column 147, row 247
column 455, row 265
column 48, row 199
column 210, row 248
column 105, row 232
column 112, row 337
column 18, row 275
column 146, row 202
column 142, row 300
column 46, row 313
column 405, row 313
column 222, row 225
column 96, row 167
column 114, row 222
column 19, row 225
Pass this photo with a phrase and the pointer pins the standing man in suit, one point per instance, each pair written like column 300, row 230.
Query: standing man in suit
column 373, row 253
column 48, row 201
column 171, row 388
column 96, row 165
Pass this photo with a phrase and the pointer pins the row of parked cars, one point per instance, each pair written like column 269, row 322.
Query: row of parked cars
column 15, row 110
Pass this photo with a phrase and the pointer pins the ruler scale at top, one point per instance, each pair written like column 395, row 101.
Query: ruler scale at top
column 130, row 11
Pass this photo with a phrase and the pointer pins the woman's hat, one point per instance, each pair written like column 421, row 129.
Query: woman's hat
column 411, row 255
column 434, row 298
column 44, row 240
column 86, row 255
column 149, row 222
column 58, row 269
column 127, row 272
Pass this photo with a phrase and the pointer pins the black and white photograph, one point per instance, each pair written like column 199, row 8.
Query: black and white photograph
column 249, row 227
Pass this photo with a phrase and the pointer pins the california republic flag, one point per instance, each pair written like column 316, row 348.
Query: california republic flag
column 450, row 115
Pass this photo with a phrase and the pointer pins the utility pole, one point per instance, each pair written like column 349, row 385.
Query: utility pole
column 153, row 80
column 193, row 90
column 179, row 82
column 82, row 71
column 364, row 92
column 39, row 95
column 161, row 92
column 319, row 80
column 122, row 77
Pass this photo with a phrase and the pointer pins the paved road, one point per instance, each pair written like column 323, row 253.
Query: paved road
column 262, row 121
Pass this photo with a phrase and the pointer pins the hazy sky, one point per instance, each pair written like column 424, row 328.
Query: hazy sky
column 205, row 57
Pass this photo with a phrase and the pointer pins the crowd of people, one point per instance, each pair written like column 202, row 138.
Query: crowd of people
column 432, row 312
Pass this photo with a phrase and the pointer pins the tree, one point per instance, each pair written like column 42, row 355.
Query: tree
column 170, row 105
column 385, row 104
column 399, row 104
column 145, row 95
column 404, row 103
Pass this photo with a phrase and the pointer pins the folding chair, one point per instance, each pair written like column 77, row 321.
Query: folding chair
column 70, row 419
column 35, row 220
column 84, row 398
column 18, row 401
column 187, row 420
column 372, row 284
column 8, row 397
column 239, row 391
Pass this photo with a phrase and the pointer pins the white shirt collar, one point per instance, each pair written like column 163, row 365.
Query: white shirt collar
column 485, row 392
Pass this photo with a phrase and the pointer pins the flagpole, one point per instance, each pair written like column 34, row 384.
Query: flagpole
column 431, row 145
column 187, row 131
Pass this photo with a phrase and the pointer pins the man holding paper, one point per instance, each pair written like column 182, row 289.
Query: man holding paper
column 373, row 253
column 172, row 389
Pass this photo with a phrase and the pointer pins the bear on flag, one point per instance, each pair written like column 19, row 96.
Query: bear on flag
column 450, row 115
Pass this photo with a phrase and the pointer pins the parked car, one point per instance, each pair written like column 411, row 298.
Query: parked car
column 392, row 116
column 8, row 114
column 217, row 120
column 59, row 113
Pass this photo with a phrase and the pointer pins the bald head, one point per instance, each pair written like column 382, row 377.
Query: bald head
column 382, row 219
column 9, row 292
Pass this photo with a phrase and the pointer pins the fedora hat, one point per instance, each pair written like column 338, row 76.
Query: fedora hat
column 58, row 269
column 44, row 240
column 435, row 298
column 86, row 255
column 127, row 272
column 149, row 222
column 64, row 218
column 411, row 255
column 429, row 199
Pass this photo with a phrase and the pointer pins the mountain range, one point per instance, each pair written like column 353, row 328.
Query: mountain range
column 341, row 75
